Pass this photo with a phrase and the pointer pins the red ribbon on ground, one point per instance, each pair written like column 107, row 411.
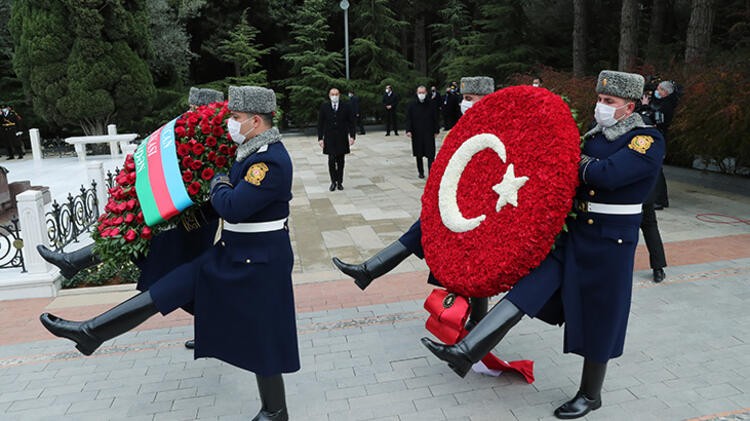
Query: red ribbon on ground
column 447, row 321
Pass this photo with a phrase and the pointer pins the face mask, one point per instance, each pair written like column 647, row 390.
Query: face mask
column 334, row 98
column 465, row 105
column 234, row 128
column 5, row 110
column 421, row 96
column 605, row 114
column 351, row 95
column 536, row 85
column 388, row 91
column 657, row 94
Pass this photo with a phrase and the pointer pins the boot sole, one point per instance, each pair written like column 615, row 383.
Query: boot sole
column 574, row 416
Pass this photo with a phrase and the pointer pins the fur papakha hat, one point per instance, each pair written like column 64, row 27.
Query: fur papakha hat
column 251, row 99
column 477, row 85
column 620, row 84
column 204, row 96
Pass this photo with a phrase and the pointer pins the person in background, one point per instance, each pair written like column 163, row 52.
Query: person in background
column 537, row 82
column 335, row 135
column 390, row 102
column 421, row 127
column 10, row 131
column 354, row 104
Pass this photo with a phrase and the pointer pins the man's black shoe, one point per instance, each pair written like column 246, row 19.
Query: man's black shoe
column 11, row 157
column 387, row 134
column 340, row 186
column 190, row 344
column 659, row 275
column 332, row 187
column 421, row 175
column 577, row 407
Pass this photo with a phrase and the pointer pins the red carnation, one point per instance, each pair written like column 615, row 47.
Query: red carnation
column 196, row 165
column 187, row 176
column 118, row 220
column 139, row 217
column 211, row 156
column 210, row 141
column 191, row 131
column 131, row 178
column 193, row 119
column 180, row 131
column 130, row 166
column 183, row 150
column 131, row 204
column 205, row 128
column 129, row 218
column 194, row 188
column 198, row 149
column 218, row 131
column 192, row 142
column 146, row 233
column 221, row 161
column 207, row 174
column 180, row 122
column 114, row 231
column 224, row 149
column 186, row 161
column 232, row 150
column 130, row 235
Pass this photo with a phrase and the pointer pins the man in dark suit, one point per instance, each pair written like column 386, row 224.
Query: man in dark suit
column 390, row 101
column 335, row 135
column 421, row 127
column 354, row 103
column 451, row 108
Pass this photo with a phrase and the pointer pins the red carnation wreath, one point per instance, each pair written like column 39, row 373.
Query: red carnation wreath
column 499, row 190
column 203, row 150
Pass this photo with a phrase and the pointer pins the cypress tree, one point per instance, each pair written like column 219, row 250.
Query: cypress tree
column 83, row 63
column 315, row 69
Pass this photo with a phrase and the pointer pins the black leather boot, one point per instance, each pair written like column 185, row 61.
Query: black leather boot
column 478, row 311
column 589, row 397
column 272, row 398
column 480, row 341
column 90, row 334
column 70, row 263
column 190, row 344
column 376, row 266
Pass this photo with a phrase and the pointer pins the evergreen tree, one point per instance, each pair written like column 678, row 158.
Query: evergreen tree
column 170, row 41
column 314, row 69
column 240, row 49
column 450, row 34
column 83, row 63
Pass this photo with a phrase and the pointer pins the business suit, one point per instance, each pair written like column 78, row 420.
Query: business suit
column 335, row 127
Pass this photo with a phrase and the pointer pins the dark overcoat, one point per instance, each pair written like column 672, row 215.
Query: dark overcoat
column 335, row 128
column 587, row 281
column 422, row 122
column 242, row 286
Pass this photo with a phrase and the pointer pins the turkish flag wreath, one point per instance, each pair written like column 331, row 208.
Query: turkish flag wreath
column 499, row 190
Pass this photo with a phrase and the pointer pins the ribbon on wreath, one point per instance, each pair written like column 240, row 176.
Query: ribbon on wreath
column 447, row 321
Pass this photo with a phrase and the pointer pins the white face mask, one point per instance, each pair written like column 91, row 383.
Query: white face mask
column 334, row 98
column 234, row 128
column 421, row 96
column 605, row 114
column 536, row 85
column 465, row 105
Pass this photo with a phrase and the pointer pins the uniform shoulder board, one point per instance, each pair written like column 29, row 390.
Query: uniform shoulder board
column 256, row 173
column 641, row 143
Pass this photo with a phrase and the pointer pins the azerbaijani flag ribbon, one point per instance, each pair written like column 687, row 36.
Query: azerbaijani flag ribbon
column 158, row 180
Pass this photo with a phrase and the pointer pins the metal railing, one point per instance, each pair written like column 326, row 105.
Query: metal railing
column 67, row 221
column 11, row 246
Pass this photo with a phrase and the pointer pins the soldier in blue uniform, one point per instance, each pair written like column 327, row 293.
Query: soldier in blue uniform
column 168, row 249
column 586, row 282
column 241, row 288
column 473, row 89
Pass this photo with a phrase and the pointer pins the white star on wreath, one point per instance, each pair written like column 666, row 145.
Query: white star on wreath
column 507, row 189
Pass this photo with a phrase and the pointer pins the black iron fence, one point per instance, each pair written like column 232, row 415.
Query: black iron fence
column 57, row 147
column 67, row 221
column 111, row 177
column 11, row 255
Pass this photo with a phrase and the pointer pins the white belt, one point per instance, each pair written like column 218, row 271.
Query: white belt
column 608, row 209
column 248, row 227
